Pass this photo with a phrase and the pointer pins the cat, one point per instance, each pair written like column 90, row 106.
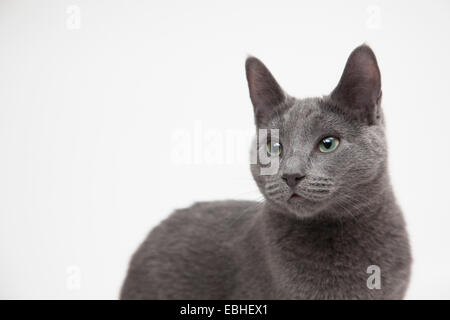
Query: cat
column 329, row 226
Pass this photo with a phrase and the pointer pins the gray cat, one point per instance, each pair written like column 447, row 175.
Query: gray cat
column 329, row 227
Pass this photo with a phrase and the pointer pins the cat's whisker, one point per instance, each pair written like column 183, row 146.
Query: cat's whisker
column 272, row 186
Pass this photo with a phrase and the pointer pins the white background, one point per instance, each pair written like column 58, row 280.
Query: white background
column 93, row 95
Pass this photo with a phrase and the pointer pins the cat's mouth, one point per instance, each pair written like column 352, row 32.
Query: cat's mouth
column 295, row 196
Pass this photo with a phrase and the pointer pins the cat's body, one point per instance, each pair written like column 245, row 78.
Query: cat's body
column 220, row 252
column 329, row 218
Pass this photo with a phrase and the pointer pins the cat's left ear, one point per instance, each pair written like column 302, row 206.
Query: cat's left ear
column 359, row 89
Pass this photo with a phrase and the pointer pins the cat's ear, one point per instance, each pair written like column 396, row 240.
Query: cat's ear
column 359, row 89
column 265, row 93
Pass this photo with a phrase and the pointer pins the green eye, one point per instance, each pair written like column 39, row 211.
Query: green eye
column 274, row 148
column 328, row 144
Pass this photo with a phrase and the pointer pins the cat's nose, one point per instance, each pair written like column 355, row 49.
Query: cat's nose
column 292, row 179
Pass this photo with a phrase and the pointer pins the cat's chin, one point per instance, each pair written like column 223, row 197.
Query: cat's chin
column 297, row 206
column 300, row 209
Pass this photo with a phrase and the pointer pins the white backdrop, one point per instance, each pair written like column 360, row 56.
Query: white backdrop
column 98, row 99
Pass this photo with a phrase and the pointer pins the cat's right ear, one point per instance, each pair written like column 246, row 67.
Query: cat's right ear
column 265, row 93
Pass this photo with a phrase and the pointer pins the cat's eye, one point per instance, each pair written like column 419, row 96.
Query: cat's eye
column 328, row 144
column 274, row 148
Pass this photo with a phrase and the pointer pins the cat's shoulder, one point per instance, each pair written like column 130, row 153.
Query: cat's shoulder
column 191, row 245
column 219, row 207
column 201, row 225
column 207, row 219
column 214, row 211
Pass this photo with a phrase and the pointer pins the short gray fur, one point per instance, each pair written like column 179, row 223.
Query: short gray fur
column 317, row 246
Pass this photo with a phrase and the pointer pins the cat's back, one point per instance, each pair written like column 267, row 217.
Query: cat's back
column 192, row 246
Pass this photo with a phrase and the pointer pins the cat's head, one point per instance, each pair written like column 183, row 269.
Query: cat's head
column 331, row 150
